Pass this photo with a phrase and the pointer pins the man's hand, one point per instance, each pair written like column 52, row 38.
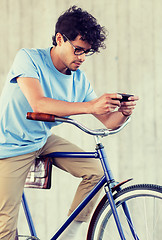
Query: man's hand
column 106, row 103
column 105, row 107
column 126, row 108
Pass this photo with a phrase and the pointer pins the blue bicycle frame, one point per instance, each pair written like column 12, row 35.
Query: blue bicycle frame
column 107, row 179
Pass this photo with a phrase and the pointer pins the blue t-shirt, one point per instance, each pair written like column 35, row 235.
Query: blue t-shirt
column 17, row 134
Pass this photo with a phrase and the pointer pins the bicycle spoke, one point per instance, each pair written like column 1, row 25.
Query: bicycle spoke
column 28, row 237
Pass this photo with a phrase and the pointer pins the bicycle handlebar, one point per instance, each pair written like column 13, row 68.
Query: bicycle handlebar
column 52, row 118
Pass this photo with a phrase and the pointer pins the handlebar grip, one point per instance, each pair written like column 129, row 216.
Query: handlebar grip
column 45, row 117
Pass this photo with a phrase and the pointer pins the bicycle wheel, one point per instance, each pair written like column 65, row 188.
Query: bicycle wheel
column 144, row 202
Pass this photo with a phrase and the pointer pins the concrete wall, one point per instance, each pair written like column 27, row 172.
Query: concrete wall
column 131, row 63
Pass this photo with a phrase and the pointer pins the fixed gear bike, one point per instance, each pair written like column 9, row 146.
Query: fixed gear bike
column 131, row 213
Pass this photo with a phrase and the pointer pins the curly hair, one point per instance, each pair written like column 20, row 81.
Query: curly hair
column 76, row 22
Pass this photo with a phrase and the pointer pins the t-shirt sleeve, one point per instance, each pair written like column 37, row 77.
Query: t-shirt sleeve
column 23, row 66
column 90, row 94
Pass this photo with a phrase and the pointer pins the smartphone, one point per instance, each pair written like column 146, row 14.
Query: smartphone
column 124, row 97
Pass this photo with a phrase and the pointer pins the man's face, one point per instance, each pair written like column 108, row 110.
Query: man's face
column 67, row 56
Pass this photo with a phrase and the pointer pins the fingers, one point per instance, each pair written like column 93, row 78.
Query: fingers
column 133, row 98
column 109, row 102
column 106, row 103
column 130, row 105
column 127, row 107
column 114, row 99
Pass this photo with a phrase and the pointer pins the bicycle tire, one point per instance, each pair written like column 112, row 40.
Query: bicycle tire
column 102, row 225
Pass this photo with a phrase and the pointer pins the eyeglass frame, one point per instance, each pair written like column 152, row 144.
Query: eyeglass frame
column 87, row 52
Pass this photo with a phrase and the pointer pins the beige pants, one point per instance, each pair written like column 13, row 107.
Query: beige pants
column 13, row 172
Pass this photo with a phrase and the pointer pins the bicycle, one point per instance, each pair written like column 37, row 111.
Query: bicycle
column 133, row 212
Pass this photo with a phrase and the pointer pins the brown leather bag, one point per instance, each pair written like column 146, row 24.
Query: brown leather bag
column 40, row 173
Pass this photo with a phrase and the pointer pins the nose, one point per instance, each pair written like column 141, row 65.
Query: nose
column 81, row 57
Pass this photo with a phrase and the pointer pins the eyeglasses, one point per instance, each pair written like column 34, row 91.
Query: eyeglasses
column 80, row 51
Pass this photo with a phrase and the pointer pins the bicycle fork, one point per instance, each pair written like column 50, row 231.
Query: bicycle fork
column 108, row 190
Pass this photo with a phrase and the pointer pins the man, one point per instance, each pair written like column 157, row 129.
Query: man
column 49, row 81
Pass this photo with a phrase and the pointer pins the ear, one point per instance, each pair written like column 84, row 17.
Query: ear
column 59, row 39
